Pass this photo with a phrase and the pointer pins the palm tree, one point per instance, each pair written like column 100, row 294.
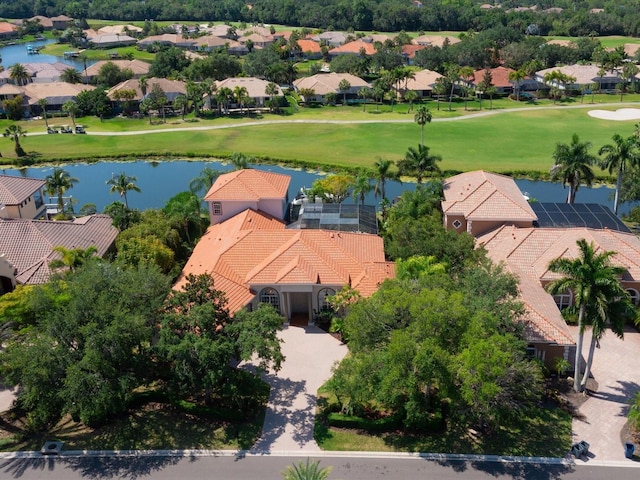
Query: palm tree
column 204, row 181
column 439, row 89
column 184, row 208
column 14, row 132
column 595, row 285
column 72, row 258
column 422, row 117
column 143, row 85
column 623, row 151
column 306, row 471
column 382, row 174
column 241, row 94
column 181, row 103
column 516, row 77
column 70, row 75
column 364, row 93
column 272, row 90
column 57, row 184
column 123, row 183
column 223, row 96
column 42, row 103
column 19, row 74
column 410, row 96
column 361, row 186
column 573, row 165
column 239, row 160
column 70, row 107
column 417, row 162
column 344, row 87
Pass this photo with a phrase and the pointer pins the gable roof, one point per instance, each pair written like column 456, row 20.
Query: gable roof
column 138, row 67
column 171, row 88
column 481, row 195
column 56, row 93
column 423, row 80
column 15, row 190
column 248, row 184
column 256, row 87
column 354, row 47
column 499, row 76
column 255, row 249
column 28, row 244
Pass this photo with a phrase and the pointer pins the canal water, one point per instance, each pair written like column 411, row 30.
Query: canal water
column 17, row 53
column 159, row 181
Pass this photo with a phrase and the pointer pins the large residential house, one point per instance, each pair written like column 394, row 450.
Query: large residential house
column 255, row 259
column 256, row 89
column 323, row 83
column 499, row 79
column 422, row 83
column 138, row 67
column 21, row 197
column 526, row 237
column 356, row 47
column 586, row 77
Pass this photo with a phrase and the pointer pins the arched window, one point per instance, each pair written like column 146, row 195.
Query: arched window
column 563, row 300
column 635, row 296
column 323, row 298
column 270, row 296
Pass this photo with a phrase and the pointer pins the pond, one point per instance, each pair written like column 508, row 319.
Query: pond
column 13, row 54
column 159, row 181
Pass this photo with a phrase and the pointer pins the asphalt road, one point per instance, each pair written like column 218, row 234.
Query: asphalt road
column 270, row 467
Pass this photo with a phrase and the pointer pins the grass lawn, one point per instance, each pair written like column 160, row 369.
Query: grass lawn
column 58, row 50
column 544, row 433
column 504, row 142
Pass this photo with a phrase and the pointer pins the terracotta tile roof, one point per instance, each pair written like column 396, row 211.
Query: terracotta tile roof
column 354, row 48
column 6, row 27
column 528, row 251
column 15, row 190
column 481, row 195
column 248, row 184
column 499, row 76
column 28, row 244
column 309, row 46
column 409, row 51
column 249, row 250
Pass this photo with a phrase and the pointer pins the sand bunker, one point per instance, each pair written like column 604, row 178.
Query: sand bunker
column 618, row 115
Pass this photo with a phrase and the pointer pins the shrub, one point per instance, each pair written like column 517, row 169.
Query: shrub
column 634, row 414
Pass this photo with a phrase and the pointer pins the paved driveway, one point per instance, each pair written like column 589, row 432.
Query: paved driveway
column 310, row 353
column 616, row 368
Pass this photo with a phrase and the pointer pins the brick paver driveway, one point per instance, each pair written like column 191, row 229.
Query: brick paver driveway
column 616, row 368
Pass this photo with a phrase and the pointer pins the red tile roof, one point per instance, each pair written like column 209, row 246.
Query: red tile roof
column 248, row 184
column 354, row 47
column 309, row 46
column 484, row 196
column 28, row 244
column 254, row 249
column 15, row 190
column 499, row 77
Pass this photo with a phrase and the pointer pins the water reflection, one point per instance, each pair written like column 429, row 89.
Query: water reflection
column 13, row 54
column 159, row 181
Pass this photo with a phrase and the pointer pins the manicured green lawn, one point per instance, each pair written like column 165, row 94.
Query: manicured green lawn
column 502, row 142
column 544, row 433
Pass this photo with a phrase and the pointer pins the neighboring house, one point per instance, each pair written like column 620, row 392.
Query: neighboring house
column 56, row 94
column 526, row 237
column 61, row 22
column 254, row 259
column 259, row 41
column 435, row 40
column 38, row 72
column 422, row 83
column 357, row 47
column 119, row 30
column 409, row 52
column 138, row 67
column 499, row 79
column 631, row 49
column 168, row 40
column 324, row 83
column 210, row 43
column 45, row 22
column 221, row 31
column 22, row 197
column 8, row 30
column 111, row 40
column 245, row 189
column 310, row 49
column 333, row 39
column 171, row 88
column 256, row 89
column 26, row 246
column 586, row 76
column 9, row 91
column 377, row 37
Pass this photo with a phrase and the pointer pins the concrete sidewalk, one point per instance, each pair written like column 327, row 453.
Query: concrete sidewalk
column 288, row 426
column 616, row 368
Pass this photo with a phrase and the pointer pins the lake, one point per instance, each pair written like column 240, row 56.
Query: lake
column 13, row 54
column 159, row 181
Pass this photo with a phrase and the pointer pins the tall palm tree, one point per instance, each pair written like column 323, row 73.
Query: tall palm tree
column 595, row 285
column 422, row 117
column 58, row 183
column 223, row 96
column 410, row 96
column 417, row 162
column 272, row 90
column 14, row 132
column 239, row 160
column 364, row 93
column 70, row 75
column 382, row 174
column 361, row 186
column 241, row 94
column 344, row 87
column 19, row 74
column 181, row 103
column 516, row 77
column 72, row 258
column 573, row 165
column 123, row 183
column 622, row 153
column 204, row 180
column 42, row 103
column 184, row 208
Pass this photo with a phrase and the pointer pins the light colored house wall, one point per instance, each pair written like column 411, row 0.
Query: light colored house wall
column 229, row 208
column 28, row 209
column 480, row 227
column 7, row 270
column 275, row 207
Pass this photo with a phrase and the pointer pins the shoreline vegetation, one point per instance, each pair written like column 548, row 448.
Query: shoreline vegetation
column 309, row 140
